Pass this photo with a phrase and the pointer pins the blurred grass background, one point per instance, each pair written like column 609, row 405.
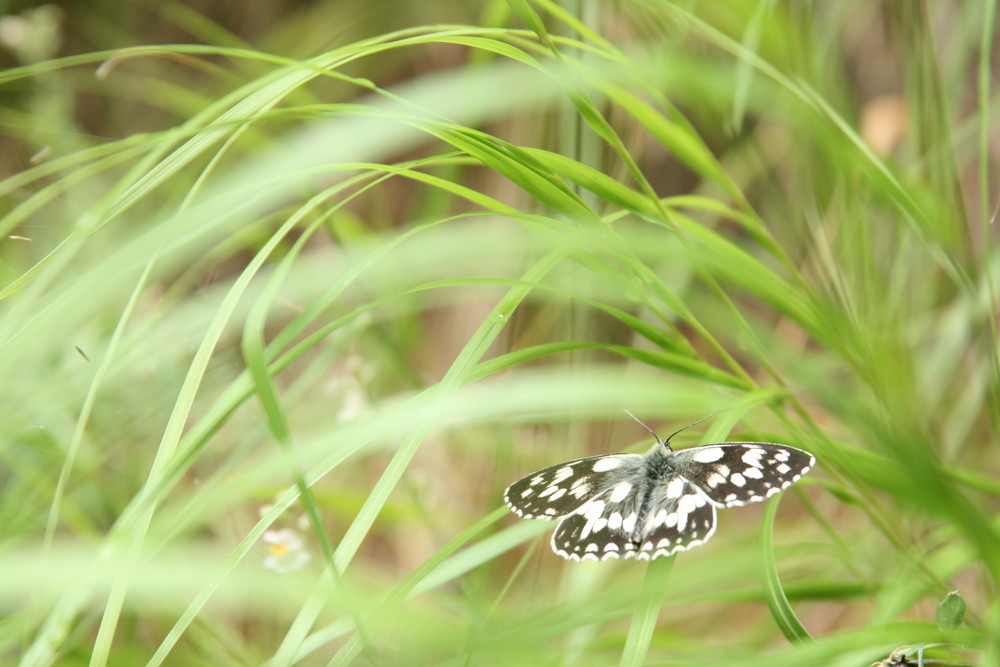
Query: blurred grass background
column 292, row 290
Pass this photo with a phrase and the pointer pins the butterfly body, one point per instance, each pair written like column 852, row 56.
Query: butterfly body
column 655, row 504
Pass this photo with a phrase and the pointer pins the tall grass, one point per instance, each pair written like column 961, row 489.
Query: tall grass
column 286, row 294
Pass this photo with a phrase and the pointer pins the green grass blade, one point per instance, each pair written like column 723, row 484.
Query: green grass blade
column 647, row 611
column 781, row 610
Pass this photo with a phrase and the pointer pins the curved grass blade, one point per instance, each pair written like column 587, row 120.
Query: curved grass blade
column 777, row 601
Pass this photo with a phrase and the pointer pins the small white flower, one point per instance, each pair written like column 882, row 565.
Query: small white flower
column 286, row 550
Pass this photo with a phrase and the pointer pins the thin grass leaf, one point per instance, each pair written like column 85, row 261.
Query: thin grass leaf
column 647, row 611
column 781, row 610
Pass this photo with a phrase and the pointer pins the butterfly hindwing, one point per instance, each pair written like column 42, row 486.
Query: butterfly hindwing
column 559, row 490
column 603, row 526
column 635, row 521
column 680, row 517
column 737, row 473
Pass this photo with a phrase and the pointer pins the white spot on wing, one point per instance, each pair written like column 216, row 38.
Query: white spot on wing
column 607, row 463
column 685, row 506
column 737, row 479
column 714, row 480
column 708, row 454
column 675, row 488
column 752, row 457
column 563, row 473
column 620, row 492
column 592, row 513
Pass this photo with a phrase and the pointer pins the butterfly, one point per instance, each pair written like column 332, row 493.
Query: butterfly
column 655, row 504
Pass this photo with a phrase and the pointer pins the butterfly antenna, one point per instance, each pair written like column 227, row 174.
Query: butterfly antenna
column 646, row 427
column 690, row 425
column 666, row 443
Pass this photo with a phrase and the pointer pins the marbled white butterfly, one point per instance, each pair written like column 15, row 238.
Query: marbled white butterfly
column 654, row 504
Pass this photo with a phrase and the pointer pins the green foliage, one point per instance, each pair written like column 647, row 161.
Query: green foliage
column 308, row 297
column 951, row 611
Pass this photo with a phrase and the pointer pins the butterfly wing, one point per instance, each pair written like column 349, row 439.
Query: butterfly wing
column 629, row 521
column 644, row 507
column 556, row 491
column 737, row 473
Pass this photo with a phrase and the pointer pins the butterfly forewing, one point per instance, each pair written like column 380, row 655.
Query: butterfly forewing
column 737, row 473
column 559, row 490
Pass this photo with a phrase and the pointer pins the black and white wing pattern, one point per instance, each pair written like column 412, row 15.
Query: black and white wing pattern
column 652, row 505
column 671, row 518
column 555, row 492
column 737, row 473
